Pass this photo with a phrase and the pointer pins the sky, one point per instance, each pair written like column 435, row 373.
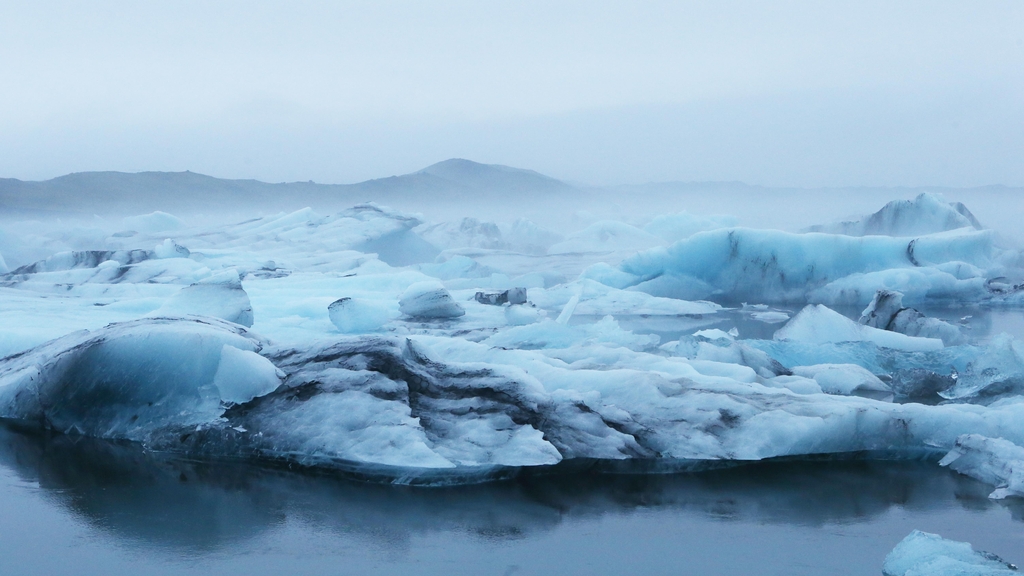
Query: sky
column 779, row 94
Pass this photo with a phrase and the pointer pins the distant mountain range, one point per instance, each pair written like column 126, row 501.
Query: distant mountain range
column 451, row 181
column 457, row 187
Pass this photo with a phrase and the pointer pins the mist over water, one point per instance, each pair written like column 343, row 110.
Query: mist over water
column 461, row 288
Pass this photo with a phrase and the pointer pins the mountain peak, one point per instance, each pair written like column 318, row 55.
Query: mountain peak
column 476, row 175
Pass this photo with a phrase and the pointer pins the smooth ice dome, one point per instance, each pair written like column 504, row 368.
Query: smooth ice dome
column 220, row 296
column 924, row 554
column 992, row 460
column 429, row 300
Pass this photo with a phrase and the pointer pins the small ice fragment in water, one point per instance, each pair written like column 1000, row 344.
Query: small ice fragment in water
column 921, row 554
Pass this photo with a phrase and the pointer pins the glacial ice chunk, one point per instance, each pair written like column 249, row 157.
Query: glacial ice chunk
column 243, row 375
column 887, row 312
column 523, row 314
column 84, row 259
column 997, row 371
column 429, row 300
column 170, row 249
column 817, row 324
column 511, row 296
column 924, row 554
column 129, row 381
column 844, row 379
column 219, row 296
column 926, row 214
column 3, row 265
column 775, row 266
column 360, row 315
column 992, row 460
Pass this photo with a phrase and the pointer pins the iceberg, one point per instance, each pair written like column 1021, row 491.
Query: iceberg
column 926, row 214
column 136, row 380
column 819, row 324
column 442, row 409
column 924, row 554
column 992, row 460
column 886, row 311
column 843, row 379
column 742, row 264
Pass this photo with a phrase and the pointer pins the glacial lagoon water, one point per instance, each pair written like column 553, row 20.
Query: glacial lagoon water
column 79, row 506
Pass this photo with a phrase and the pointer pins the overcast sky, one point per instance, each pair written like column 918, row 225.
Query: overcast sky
column 775, row 93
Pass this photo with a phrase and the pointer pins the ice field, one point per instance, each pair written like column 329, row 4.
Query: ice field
column 386, row 346
column 378, row 343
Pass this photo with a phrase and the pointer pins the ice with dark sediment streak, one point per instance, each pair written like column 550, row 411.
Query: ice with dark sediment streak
column 887, row 312
column 447, row 408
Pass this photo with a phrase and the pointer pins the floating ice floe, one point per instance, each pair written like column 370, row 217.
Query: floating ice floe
column 992, row 460
column 924, row 554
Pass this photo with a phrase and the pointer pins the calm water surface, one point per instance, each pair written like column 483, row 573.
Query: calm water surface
column 87, row 507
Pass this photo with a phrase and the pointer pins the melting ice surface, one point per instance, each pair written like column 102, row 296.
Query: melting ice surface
column 374, row 344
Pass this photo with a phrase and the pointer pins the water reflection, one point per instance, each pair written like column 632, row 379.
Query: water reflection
column 201, row 506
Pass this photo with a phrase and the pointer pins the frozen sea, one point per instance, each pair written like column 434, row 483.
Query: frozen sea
column 77, row 506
